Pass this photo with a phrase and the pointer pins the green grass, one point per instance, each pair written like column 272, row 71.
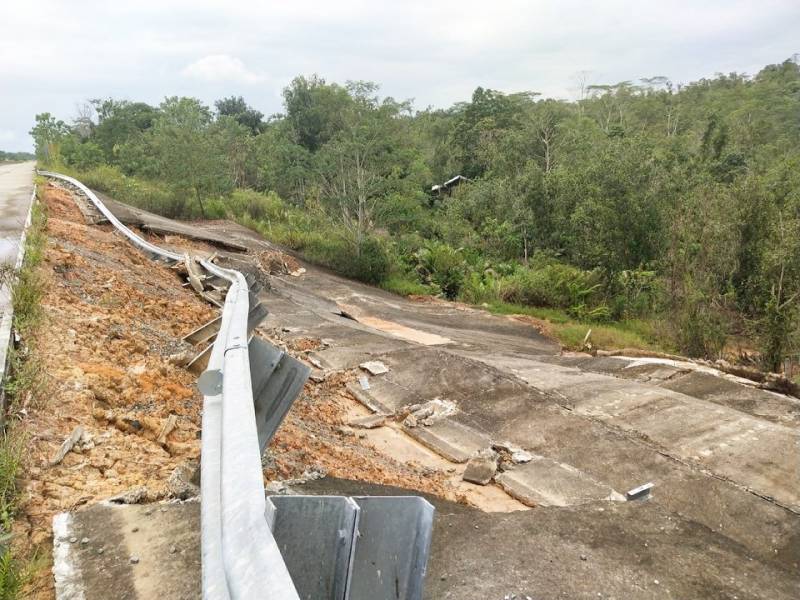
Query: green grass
column 570, row 333
column 23, row 378
column 403, row 286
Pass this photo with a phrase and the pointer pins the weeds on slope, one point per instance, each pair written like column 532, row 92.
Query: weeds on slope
column 23, row 378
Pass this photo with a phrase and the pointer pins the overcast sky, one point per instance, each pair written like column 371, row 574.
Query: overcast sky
column 56, row 54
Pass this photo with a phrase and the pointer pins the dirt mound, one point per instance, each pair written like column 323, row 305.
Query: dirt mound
column 276, row 262
column 111, row 319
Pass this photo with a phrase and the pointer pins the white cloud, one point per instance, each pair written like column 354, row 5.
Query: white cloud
column 434, row 51
column 218, row 68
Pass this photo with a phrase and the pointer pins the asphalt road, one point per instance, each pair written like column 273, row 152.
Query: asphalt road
column 16, row 185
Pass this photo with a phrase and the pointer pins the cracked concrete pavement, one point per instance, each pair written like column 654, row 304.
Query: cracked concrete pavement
column 723, row 519
column 724, row 455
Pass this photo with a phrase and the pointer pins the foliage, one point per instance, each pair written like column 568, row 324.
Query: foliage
column 15, row 156
column 441, row 265
column 639, row 200
column 47, row 135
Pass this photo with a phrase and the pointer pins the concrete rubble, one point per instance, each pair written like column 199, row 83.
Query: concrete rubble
column 368, row 422
column 481, row 467
column 575, row 429
column 374, row 367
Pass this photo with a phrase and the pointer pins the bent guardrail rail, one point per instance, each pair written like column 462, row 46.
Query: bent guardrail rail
column 361, row 548
column 240, row 558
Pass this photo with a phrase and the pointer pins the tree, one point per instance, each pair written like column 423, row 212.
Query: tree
column 188, row 157
column 238, row 109
column 120, row 122
column 315, row 110
column 47, row 134
column 357, row 165
column 81, row 154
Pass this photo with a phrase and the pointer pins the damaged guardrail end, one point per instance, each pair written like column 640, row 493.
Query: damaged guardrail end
column 277, row 380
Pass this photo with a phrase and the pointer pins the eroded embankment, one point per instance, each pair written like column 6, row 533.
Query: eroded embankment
column 111, row 321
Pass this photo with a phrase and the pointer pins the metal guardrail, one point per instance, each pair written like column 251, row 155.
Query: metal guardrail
column 240, row 557
column 362, row 548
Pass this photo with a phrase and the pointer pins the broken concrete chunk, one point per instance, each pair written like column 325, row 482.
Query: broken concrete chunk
column 432, row 411
column 518, row 455
column 374, row 367
column 521, row 457
column 424, row 412
column 643, row 491
column 481, row 467
column 68, row 444
column 181, row 359
column 410, row 421
column 132, row 496
column 184, row 482
column 364, row 382
column 369, row 422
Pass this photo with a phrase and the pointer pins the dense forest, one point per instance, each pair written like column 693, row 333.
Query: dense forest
column 676, row 207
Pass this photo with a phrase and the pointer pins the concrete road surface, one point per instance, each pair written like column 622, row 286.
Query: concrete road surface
column 16, row 188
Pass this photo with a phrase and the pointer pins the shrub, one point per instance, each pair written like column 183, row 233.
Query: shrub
column 480, row 288
column 260, row 207
column 369, row 264
column 701, row 330
column 554, row 285
column 442, row 265
column 405, row 285
column 635, row 293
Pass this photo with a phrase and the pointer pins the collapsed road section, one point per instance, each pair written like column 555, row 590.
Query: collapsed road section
column 404, row 396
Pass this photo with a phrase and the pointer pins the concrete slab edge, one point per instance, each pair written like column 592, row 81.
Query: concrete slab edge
column 68, row 583
column 368, row 400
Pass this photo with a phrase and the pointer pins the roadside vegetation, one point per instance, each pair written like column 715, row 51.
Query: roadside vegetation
column 22, row 384
column 659, row 216
column 15, row 156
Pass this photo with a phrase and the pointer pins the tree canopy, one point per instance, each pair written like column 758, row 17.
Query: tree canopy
column 639, row 198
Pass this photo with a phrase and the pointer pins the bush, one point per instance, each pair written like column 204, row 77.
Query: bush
column 635, row 293
column 81, row 154
column 480, row 288
column 369, row 264
column 257, row 206
column 405, row 285
column 701, row 330
column 553, row 285
column 442, row 265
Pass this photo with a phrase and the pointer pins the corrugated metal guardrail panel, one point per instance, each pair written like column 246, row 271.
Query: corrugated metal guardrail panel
column 384, row 557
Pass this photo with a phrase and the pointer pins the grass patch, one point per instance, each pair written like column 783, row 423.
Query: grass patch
column 403, row 286
column 570, row 332
column 23, row 380
column 28, row 288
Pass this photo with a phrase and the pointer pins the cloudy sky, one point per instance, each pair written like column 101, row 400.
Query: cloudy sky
column 55, row 54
